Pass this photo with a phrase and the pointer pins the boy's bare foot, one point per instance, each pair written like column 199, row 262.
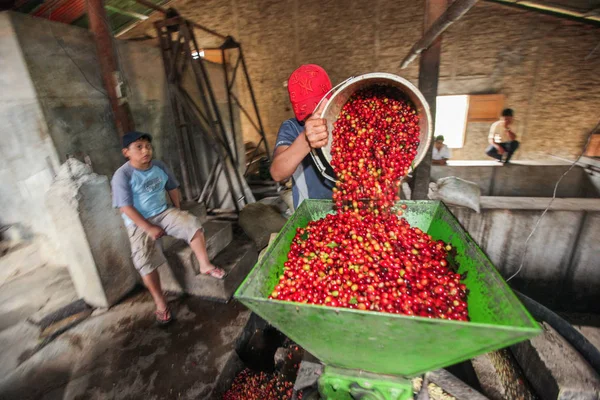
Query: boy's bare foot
column 211, row 270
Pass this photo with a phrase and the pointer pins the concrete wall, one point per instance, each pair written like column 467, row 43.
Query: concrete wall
column 53, row 106
column 62, row 63
column 561, row 268
column 544, row 65
column 522, row 180
column 56, row 106
column 28, row 158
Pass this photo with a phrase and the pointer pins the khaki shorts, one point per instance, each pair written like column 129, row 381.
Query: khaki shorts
column 146, row 252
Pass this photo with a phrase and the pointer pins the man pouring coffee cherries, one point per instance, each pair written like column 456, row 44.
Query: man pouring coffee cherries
column 299, row 135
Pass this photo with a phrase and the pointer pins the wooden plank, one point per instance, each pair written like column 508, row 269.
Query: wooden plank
column 593, row 149
column 485, row 107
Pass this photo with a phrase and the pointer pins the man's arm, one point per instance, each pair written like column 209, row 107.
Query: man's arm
column 492, row 136
column 175, row 197
column 509, row 130
column 156, row 232
column 287, row 158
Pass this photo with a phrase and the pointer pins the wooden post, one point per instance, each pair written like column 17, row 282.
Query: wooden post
column 429, row 71
column 108, row 65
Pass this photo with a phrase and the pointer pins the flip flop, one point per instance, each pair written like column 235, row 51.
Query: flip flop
column 217, row 273
column 164, row 317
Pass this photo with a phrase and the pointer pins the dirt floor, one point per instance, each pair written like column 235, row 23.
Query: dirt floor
column 122, row 354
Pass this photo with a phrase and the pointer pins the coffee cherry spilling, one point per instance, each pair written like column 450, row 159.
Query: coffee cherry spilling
column 249, row 385
column 375, row 140
column 365, row 256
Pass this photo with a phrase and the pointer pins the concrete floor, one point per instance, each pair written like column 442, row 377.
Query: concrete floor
column 34, row 295
column 122, row 354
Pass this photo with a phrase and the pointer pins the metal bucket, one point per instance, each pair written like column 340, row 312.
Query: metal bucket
column 322, row 156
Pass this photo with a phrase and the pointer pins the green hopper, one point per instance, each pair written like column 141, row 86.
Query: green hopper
column 391, row 344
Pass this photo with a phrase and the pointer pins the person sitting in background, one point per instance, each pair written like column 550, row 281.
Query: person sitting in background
column 298, row 136
column 441, row 152
column 139, row 189
column 503, row 137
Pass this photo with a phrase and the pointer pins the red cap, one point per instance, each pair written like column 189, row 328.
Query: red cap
column 307, row 86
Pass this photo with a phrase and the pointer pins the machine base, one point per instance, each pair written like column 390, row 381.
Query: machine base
column 346, row 384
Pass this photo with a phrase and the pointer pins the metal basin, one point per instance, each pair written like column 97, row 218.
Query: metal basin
column 322, row 157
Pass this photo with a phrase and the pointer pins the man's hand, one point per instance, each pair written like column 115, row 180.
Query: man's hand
column 316, row 129
column 155, row 232
column 500, row 149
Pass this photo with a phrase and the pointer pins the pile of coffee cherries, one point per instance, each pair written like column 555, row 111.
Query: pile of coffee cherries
column 250, row 385
column 365, row 256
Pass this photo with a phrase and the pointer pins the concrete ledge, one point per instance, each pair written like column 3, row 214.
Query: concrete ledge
column 539, row 203
column 197, row 209
column 555, row 369
column 217, row 234
column 521, row 179
column 237, row 259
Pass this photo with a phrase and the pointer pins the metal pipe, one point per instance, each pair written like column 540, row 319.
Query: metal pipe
column 214, row 184
column 108, row 64
column 251, row 159
column 207, row 85
column 190, row 149
column 151, row 5
column 234, row 73
column 221, row 160
column 239, row 104
column 219, row 120
column 200, row 75
column 230, row 109
column 589, row 17
column 187, row 96
column 131, row 14
column 453, row 13
column 208, row 181
column 187, row 190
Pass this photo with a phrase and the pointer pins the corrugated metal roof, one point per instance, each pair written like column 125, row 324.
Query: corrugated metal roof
column 121, row 13
column 66, row 11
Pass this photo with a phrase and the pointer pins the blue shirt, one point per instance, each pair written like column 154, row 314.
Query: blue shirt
column 143, row 189
column 307, row 182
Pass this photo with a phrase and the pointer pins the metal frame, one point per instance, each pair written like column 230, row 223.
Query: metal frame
column 230, row 49
column 177, row 43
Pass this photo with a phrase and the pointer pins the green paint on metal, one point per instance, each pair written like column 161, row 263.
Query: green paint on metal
column 343, row 384
column 393, row 344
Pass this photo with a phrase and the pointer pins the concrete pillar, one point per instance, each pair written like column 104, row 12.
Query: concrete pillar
column 91, row 234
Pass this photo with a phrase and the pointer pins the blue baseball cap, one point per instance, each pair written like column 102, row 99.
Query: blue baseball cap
column 134, row 136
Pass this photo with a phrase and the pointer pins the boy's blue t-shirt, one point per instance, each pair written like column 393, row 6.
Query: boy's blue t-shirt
column 143, row 189
column 308, row 183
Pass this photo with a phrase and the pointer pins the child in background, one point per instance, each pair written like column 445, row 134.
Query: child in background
column 139, row 191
